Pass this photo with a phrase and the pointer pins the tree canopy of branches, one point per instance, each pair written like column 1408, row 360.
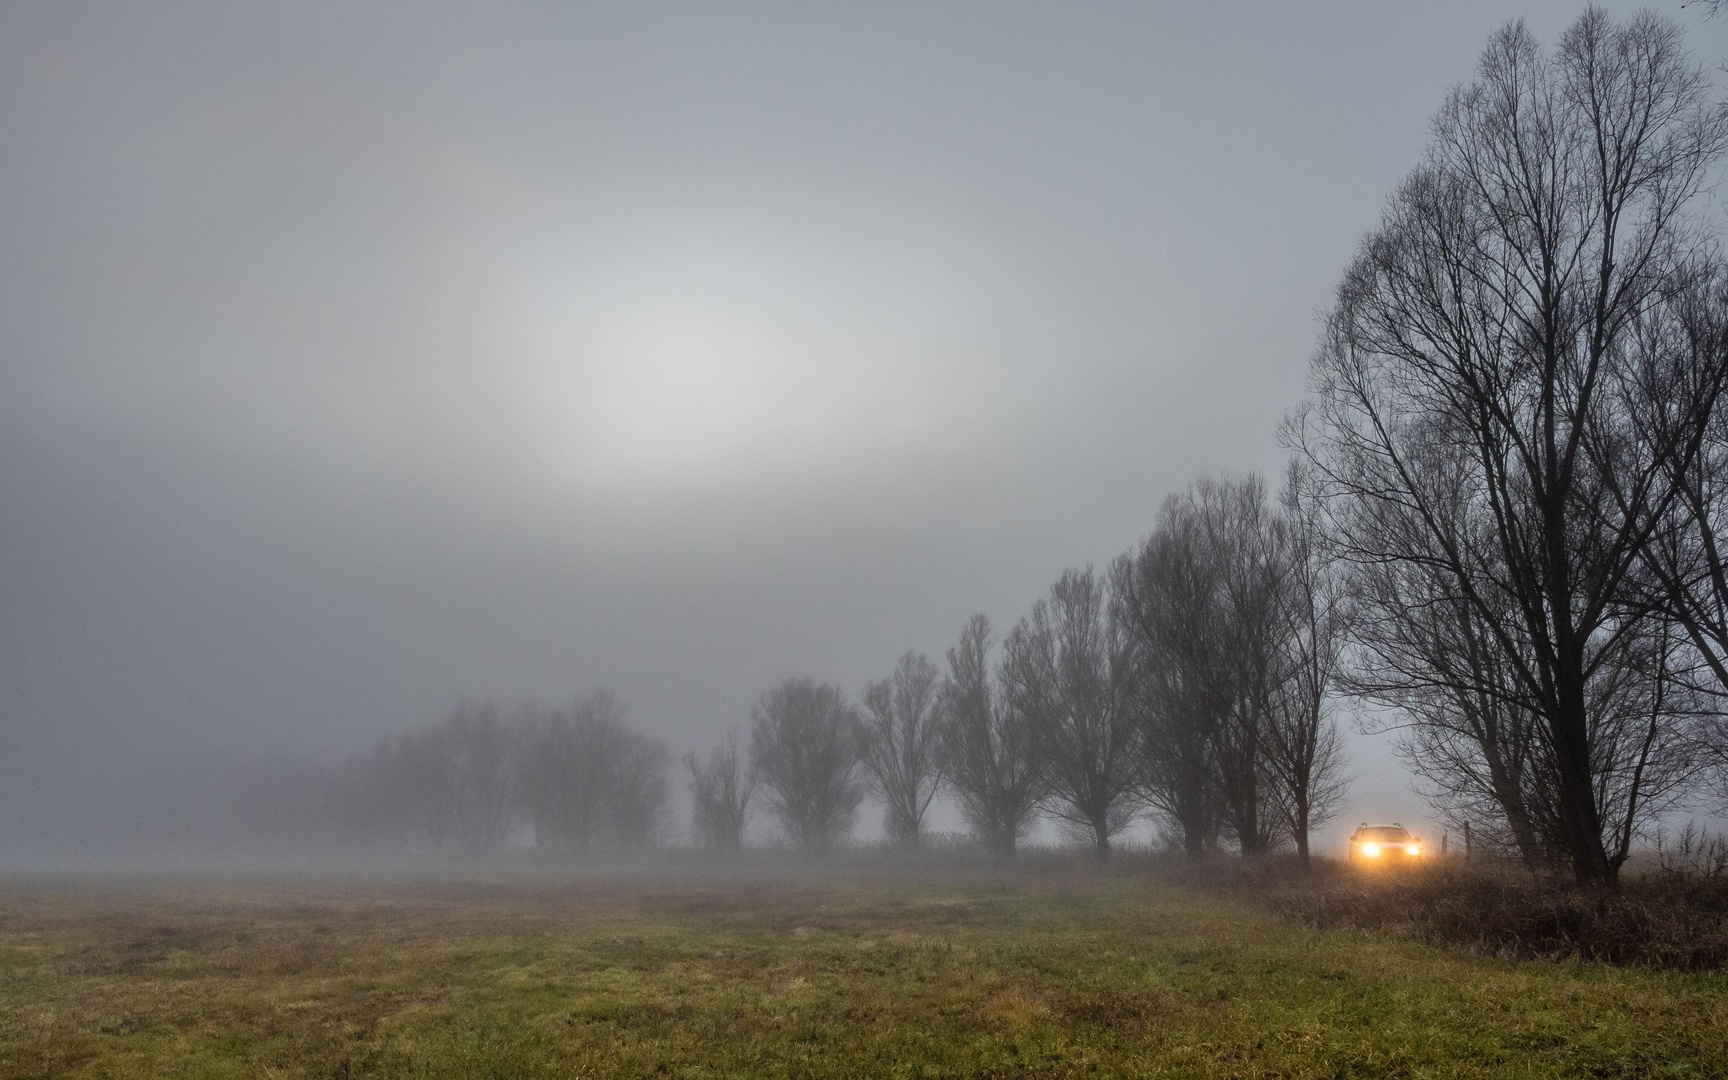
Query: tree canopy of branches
column 805, row 743
column 987, row 747
column 1070, row 672
column 902, row 729
column 1483, row 434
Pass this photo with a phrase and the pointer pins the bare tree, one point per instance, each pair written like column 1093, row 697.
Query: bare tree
column 1487, row 341
column 1483, row 750
column 637, row 803
column 1303, row 749
column 721, row 788
column 902, row 732
column 1167, row 594
column 1430, row 657
column 588, row 778
column 987, row 747
column 568, row 771
column 805, row 743
column 1249, row 664
column 1235, row 619
column 1070, row 671
column 1490, row 762
column 459, row 778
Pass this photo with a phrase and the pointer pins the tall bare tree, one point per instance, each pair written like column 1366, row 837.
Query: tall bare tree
column 988, row 751
column 903, row 717
column 1248, row 667
column 1070, row 671
column 1303, row 750
column 1487, row 340
column 721, row 788
column 805, row 743
column 1167, row 591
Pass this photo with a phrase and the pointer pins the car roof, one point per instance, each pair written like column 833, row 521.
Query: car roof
column 1382, row 832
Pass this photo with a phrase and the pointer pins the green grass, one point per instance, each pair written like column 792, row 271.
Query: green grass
column 1057, row 975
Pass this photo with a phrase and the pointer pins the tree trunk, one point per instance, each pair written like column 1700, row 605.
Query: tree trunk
column 1194, row 840
column 1590, row 864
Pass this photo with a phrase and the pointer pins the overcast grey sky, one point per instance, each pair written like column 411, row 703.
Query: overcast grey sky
column 355, row 358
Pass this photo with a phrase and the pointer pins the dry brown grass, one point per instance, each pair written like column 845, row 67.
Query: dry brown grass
column 1660, row 917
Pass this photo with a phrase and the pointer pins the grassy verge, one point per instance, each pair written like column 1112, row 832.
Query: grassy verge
column 1657, row 918
column 1076, row 974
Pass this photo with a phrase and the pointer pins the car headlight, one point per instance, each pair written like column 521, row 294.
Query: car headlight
column 1370, row 850
column 1414, row 849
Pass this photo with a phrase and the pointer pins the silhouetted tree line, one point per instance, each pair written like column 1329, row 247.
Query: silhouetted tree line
column 1190, row 681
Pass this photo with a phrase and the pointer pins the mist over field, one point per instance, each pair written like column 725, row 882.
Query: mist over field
column 357, row 362
column 890, row 539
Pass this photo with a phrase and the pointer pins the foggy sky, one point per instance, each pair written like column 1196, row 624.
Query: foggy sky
column 355, row 360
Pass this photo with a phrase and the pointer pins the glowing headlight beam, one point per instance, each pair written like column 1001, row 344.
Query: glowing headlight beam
column 1371, row 850
column 1414, row 849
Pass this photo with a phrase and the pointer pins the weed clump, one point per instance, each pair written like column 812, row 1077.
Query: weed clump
column 1672, row 916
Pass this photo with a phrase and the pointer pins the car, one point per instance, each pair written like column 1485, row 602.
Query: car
column 1383, row 845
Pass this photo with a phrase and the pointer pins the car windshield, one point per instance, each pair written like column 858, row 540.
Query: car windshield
column 1385, row 834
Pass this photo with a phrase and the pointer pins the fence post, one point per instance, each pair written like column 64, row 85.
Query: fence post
column 1466, row 840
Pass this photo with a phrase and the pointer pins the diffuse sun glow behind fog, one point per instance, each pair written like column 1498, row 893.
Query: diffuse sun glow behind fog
column 672, row 348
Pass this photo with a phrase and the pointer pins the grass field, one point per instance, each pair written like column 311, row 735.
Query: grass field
column 1052, row 973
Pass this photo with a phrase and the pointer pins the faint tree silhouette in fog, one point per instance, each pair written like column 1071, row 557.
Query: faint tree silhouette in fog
column 639, row 791
column 588, row 777
column 458, row 778
column 1500, row 339
column 568, row 771
column 805, row 743
column 721, row 788
column 903, row 715
column 1069, row 668
column 988, row 752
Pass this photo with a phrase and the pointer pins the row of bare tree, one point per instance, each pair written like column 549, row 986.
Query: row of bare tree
column 578, row 777
column 1190, row 681
column 1515, row 444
